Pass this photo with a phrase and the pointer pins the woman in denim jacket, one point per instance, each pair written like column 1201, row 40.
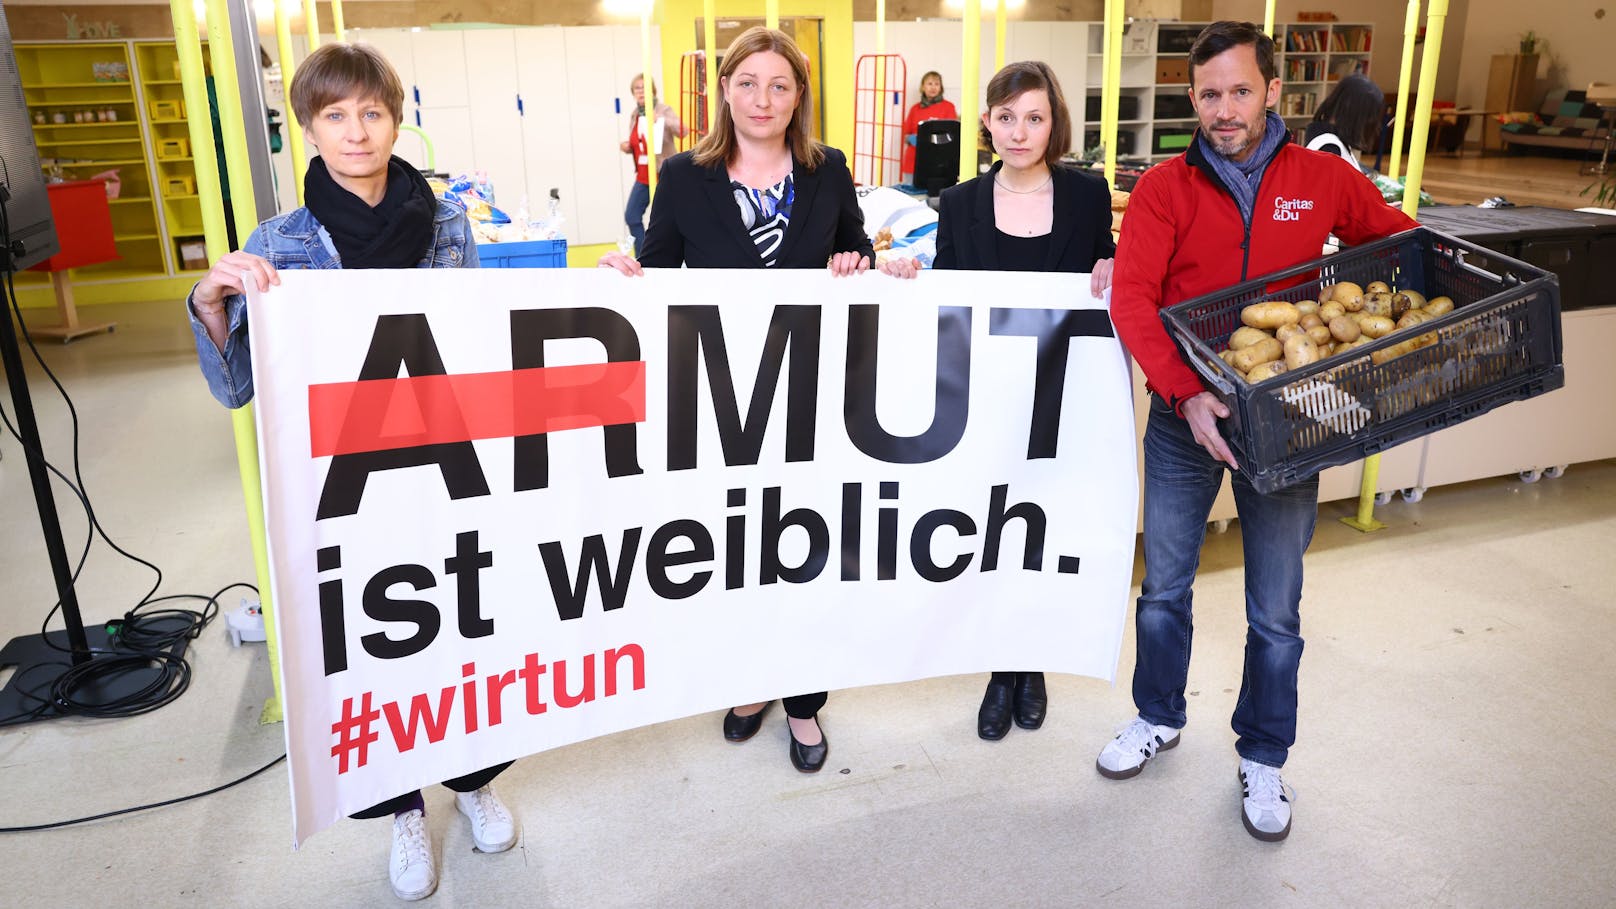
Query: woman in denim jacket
column 363, row 209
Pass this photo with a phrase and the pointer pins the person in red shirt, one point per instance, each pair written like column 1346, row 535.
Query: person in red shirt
column 1242, row 201
column 639, row 196
column 931, row 106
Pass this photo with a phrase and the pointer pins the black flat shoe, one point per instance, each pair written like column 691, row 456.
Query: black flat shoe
column 809, row 758
column 1032, row 702
column 993, row 718
column 738, row 729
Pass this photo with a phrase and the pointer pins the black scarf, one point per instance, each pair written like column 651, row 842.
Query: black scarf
column 394, row 234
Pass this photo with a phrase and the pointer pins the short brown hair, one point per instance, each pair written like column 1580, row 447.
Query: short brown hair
column 719, row 146
column 1016, row 79
column 1223, row 35
column 336, row 72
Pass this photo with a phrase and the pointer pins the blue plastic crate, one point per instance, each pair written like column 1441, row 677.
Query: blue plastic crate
column 524, row 254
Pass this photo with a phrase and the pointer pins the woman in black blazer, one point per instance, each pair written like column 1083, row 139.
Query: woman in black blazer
column 1029, row 213
column 759, row 192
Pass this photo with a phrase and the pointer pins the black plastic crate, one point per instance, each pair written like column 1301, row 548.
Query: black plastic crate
column 1501, row 343
column 1126, row 141
column 1170, row 105
column 1127, row 108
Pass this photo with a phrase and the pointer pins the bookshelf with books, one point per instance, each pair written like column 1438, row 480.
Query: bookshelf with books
column 1314, row 56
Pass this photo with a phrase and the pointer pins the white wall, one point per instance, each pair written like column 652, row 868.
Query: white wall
column 1578, row 47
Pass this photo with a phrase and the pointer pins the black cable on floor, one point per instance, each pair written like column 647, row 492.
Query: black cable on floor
column 174, row 801
column 141, row 641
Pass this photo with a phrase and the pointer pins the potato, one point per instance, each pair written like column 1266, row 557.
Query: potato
column 1270, row 314
column 1263, row 351
column 1377, row 326
column 1227, row 356
column 1245, row 336
column 1377, row 287
column 1320, row 335
column 1416, row 300
column 1310, row 319
column 1345, row 328
column 1378, row 304
column 1300, row 351
column 1345, row 291
column 1284, row 332
column 1413, row 317
column 1403, row 347
column 1265, row 371
column 1438, row 306
column 1329, row 311
column 1352, row 304
column 1307, row 306
column 1326, row 350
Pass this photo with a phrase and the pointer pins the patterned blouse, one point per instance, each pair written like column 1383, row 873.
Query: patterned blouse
column 764, row 214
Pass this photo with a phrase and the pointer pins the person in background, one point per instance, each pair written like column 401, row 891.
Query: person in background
column 1349, row 121
column 1198, row 223
column 759, row 192
column 1028, row 213
column 363, row 208
column 931, row 106
column 639, row 195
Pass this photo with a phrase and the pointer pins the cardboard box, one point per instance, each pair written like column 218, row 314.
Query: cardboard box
column 192, row 253
column 1172, row 70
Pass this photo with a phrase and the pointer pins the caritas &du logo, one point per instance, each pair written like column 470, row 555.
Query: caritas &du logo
column 1290, row 209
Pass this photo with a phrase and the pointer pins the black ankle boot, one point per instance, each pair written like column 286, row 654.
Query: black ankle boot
column 1032, row 702
column 993, row 718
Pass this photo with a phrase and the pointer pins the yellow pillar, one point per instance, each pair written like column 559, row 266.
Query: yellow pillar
column 1405, row 75
column 294, row 130
column 1111, row 88
column 193, row 81
column 709, row 39
column 998, row 35
column 771, row 13
column 970, row 79
column 337, row 31
column 1435, row 19
column 311, row 24
column 1268, row 18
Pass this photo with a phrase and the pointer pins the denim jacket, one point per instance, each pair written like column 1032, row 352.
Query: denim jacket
column 296, row 240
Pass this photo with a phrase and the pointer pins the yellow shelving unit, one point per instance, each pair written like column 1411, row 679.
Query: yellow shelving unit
column 165, row 115
column 86, row 119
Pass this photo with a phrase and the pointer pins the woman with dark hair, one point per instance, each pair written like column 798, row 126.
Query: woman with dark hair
column 1028, row 213
column 1349, row 120
column 759, row 192
column 931, row 106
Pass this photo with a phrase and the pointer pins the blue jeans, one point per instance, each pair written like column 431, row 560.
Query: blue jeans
column 1181, row 482
column 639, row 199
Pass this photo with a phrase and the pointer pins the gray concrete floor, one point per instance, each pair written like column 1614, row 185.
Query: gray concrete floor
column 1455, row 737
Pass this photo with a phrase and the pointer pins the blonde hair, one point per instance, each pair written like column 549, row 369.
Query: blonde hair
column 719, row 145
column 337, row 72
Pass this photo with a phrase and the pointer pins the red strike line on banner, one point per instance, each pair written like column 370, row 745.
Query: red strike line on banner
column 383, row 414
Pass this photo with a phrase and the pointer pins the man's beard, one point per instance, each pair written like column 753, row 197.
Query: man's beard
column 1234, row 148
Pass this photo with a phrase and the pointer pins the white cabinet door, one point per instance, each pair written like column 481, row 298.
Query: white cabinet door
column 450, row 131
column 496, row 123
column 440, row 68
column 592, row 84
column 395, row 45
column 541, row 83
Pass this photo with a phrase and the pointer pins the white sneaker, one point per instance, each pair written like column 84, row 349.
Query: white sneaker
column 1136, row 743
column 411, row 870
column 1266, row 808
column 493, row 828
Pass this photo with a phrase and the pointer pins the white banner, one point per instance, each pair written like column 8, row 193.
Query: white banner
column 514, row 509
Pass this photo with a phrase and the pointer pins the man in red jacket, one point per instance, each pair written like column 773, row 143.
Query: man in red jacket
column 1241, row 202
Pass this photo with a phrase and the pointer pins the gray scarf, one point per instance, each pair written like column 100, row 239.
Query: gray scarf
column 1243, row 177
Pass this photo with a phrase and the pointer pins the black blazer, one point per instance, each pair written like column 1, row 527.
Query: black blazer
column 696, row 221
column 1080, row 236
